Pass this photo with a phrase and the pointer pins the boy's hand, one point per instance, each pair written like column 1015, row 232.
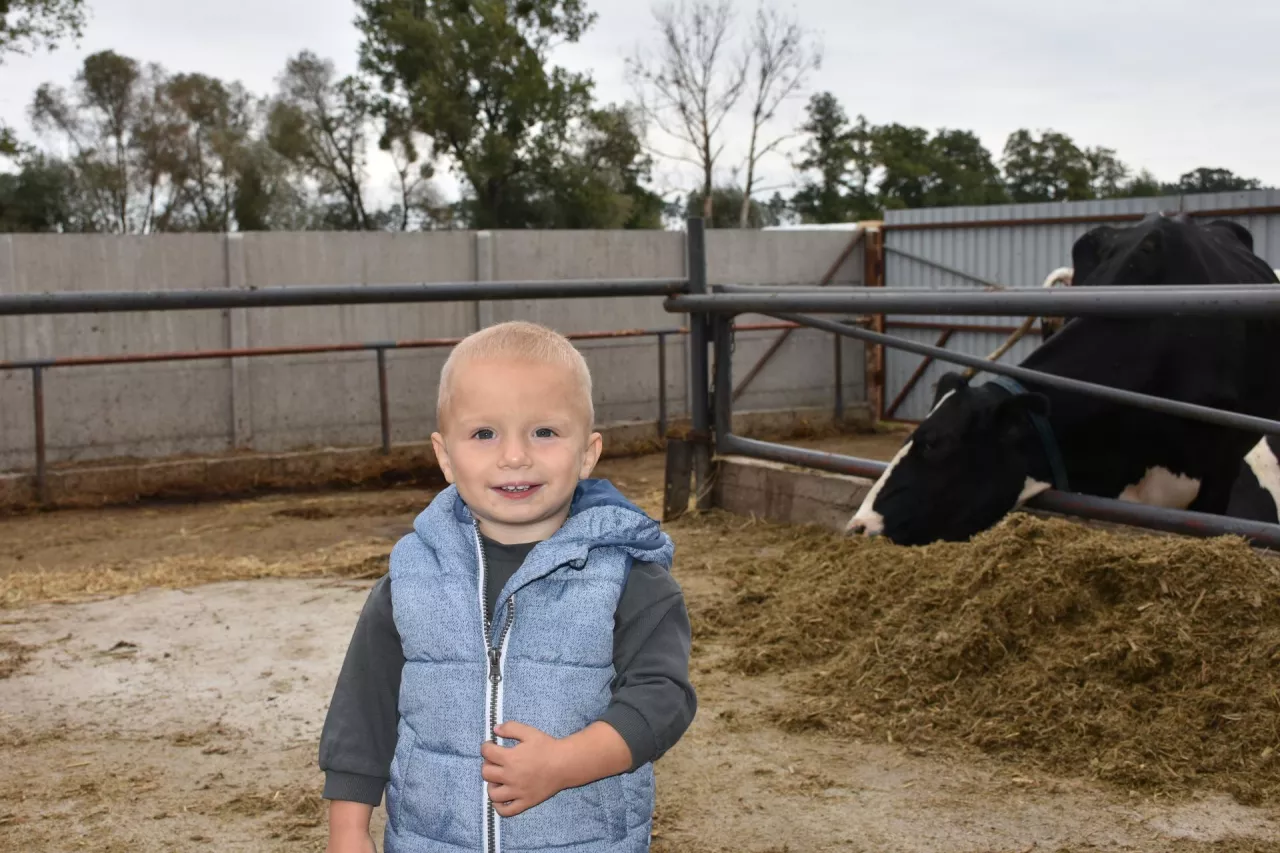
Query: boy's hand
column 540, row 766
column 523, row 775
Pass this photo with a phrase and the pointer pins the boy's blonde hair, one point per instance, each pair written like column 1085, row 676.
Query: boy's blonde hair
column 516, row 339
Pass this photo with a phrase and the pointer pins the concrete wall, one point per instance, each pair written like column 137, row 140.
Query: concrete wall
column 278, row 404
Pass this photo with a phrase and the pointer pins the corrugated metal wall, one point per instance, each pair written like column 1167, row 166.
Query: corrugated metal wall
column 1021, row 246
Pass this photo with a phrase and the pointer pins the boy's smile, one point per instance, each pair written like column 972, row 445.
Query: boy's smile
column 516, row 439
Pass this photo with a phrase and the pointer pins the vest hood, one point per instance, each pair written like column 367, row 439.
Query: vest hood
column 599, row 516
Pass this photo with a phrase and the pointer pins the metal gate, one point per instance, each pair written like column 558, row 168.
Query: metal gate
column 1013, row 247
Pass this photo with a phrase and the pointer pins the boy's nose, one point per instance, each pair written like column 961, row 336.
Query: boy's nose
column 514, row 452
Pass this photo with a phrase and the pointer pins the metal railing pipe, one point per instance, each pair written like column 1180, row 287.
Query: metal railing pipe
column 1177, row 408
column 1066, row 302
column 1067, row 503
column 341, row 294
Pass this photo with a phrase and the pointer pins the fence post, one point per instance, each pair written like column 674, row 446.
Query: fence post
column 839, row 353
column 662, row 385
column 699, row 392
column 384, row 409
column 37, row 400
column 874, row 276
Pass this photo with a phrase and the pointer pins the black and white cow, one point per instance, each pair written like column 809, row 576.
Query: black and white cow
column 1256, row 493
column 986, row 448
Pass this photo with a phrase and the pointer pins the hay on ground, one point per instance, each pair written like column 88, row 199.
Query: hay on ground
column 1149, row 661
column 348, row 560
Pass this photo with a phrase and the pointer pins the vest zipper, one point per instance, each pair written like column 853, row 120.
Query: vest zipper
column 493, row 705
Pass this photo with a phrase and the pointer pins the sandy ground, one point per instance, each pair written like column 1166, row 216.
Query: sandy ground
column 187, row 718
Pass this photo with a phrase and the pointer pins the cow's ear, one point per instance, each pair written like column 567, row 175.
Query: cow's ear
column 951, row 381
column 1235, row 229
column 1087, row 252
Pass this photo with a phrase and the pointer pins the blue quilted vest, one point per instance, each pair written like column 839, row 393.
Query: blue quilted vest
column 547, row 661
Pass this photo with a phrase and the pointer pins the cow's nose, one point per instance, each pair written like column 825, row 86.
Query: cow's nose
column 856, row 528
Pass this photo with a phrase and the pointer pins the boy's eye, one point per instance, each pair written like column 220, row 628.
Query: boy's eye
column 483, row 434
column 544, row 432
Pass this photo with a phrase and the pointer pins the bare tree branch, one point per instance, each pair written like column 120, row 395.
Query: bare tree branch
column 782, row 59
column 693, row 80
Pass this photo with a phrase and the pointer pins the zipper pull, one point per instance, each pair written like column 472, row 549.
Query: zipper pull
column 495, row 665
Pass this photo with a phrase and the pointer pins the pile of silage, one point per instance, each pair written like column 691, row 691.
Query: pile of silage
column 1149, row 661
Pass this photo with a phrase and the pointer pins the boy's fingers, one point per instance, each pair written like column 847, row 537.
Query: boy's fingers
column 516, row 731
column 500, row 793
column 509, row 809
column 492, row 752
column 492, row 773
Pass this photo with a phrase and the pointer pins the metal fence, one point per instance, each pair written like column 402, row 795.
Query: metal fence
column 1011, row 247
column 181, row 300
column 711, row 327
column 716, row 310
column 39, row 368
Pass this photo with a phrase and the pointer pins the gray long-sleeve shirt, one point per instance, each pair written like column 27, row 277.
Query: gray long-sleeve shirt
column 653, row 700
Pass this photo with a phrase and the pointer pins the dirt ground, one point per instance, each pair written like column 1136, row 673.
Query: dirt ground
column 165, row 670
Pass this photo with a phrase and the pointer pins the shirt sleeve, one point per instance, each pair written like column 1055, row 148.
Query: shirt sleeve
column 358, row 740
column 653, row 700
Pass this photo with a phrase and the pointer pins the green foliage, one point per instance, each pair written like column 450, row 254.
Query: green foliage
column 476, row 80
column 38, row 198
column 26, row 25
column 726, row 204
column 952, row 167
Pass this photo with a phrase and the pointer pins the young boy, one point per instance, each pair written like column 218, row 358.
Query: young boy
column 526, row 658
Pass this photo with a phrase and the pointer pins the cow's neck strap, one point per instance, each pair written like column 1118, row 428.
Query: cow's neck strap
column 1051, row 450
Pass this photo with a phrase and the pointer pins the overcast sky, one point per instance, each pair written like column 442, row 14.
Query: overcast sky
column 1169, row 84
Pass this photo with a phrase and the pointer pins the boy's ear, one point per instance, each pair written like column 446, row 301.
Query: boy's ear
column 595, row 446
column 442, row 456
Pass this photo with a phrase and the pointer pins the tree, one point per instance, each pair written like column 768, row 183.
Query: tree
column 1051, row 168
column 26, row 25
column 612, row 155
column 148, row 151
column 475, row 79
column 689, row 90
column 907, row 164
column 780, row 58
column 40, row 197
column 1107, row 175
column 116, row 145
column 203, row 130
column 322, row 126
column 728, row 201
column 841, row 155
column 1207, row 180
column 963, row 171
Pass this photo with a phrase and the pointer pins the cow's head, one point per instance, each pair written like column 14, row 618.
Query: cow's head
column 961, row 470
column 1168, row 250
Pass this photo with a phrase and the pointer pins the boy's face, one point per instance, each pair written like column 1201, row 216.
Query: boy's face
column 515, row 439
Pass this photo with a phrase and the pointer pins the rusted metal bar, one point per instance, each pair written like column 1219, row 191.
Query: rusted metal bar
column 662, row 385
column 857, row 237
column 252, row 352
column 384, row 409
column 1084, row 219
column 37, row 402
column 915, row 376
column 873, row 354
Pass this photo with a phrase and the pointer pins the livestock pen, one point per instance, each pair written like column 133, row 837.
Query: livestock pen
column 164, row 667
